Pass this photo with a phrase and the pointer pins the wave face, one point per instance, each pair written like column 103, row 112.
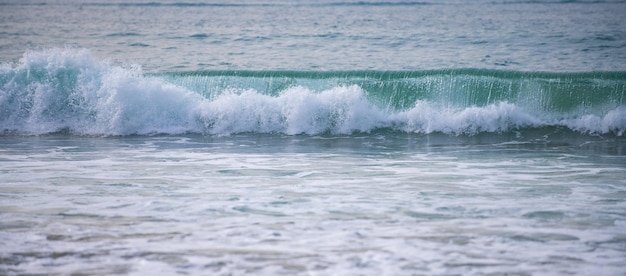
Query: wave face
column 68, row 90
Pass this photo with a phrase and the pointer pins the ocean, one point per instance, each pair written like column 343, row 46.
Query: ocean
column 332, row 137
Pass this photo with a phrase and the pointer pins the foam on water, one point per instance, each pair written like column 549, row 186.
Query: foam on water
column 277, row 204
column 71, row 91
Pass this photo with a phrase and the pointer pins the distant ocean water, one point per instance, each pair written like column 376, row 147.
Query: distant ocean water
column 312, row 137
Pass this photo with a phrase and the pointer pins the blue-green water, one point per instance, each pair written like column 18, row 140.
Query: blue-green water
column 312, row 137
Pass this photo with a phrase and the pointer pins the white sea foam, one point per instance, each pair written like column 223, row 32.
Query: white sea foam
column 298, row 205
column 70, row 90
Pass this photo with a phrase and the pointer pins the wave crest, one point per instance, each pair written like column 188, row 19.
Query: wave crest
column 70, row 90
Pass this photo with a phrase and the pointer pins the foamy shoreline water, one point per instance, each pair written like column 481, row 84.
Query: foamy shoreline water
column 284, row 205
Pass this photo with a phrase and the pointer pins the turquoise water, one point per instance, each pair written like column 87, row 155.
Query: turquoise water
column 312, row 137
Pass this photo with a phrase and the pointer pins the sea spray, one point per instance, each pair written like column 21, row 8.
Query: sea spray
column 296, row 110
column 70, row 90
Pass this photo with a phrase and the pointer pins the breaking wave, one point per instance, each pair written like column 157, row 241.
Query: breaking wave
column 69, row 90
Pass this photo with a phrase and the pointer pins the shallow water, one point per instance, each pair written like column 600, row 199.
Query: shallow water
column 394, row 204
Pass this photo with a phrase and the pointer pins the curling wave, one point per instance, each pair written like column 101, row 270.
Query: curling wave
column 69, row 90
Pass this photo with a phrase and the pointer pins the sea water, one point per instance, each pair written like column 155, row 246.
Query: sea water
column 312, row 137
